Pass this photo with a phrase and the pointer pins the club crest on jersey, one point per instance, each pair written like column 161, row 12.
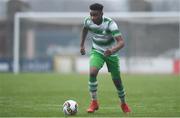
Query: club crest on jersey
column 104, row 32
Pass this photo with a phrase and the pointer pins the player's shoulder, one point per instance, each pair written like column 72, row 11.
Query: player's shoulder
column 107, row 19
column 87, row 18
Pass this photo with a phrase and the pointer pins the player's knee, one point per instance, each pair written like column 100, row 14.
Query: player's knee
column 93, row 72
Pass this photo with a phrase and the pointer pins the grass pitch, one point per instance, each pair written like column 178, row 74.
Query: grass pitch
column 42, row 95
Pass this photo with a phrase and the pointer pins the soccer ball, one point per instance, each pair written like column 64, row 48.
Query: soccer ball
column 70, row 107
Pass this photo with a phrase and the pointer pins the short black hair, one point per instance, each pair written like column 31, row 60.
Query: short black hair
column 96, row 6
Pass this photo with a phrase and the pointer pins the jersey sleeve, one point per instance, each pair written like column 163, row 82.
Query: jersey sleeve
column 114, row 29
column 85, row 23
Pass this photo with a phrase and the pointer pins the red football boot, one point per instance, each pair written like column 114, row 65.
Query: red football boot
column 93, row 106
column 125, row 108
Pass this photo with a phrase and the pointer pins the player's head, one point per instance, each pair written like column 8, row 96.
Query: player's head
column 96, row 12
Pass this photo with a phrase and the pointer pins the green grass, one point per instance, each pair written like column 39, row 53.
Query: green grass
column 41, row 95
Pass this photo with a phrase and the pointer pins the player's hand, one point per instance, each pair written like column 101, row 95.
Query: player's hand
column 108, row 52
column 82, row 51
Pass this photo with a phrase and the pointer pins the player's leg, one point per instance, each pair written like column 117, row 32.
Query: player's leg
column 120, row 90
column 93, row 90
column 96, row 63
column 113, row 67
column 119, row 86
column 93, row 82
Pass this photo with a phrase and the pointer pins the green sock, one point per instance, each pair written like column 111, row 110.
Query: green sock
column 93, row 88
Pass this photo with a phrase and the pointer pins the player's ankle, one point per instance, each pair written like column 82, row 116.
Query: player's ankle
column 94, row 100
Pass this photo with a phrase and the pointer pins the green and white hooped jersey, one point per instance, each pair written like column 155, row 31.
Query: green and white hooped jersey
column 103, row 34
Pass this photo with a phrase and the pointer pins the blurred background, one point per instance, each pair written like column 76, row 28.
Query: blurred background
column 44, row 35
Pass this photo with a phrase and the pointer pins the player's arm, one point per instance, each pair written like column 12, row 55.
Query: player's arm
column 83, row 38
column 117, row 36
column 117, row 47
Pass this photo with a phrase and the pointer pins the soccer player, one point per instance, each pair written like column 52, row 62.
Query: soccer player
column 106, row 42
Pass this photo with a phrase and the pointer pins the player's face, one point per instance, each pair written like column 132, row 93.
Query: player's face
column 96, row 16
